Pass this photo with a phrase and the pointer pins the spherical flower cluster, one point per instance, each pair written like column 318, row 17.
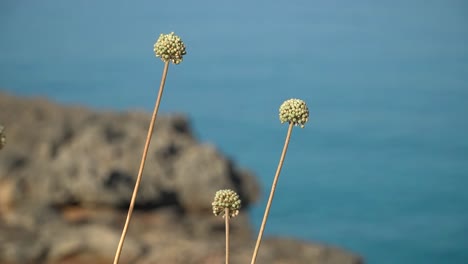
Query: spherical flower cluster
column 226, row 199
column 170, row 47
column 294, row 111
column 2, row 137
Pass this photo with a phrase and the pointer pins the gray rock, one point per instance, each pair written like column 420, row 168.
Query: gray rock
column 200, row 171
column 18, row 245
column 65, row 156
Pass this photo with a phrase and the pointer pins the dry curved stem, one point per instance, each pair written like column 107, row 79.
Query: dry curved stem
column 272, row 194
column 142, row 165
column 226, row 217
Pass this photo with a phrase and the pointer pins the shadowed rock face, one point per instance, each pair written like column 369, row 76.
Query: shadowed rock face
column 66, row 178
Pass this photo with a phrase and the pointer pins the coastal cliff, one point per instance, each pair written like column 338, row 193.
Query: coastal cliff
column 67, row 174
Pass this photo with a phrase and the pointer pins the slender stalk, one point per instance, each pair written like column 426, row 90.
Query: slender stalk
column 226, row 217
column 272, row 193
column 142, row 165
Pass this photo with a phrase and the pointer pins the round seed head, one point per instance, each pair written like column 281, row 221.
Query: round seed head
column 170, row 47
column 2, row 137
column 226, row 199
column 294, row 111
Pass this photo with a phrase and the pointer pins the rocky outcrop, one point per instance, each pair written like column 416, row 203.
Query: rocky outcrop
column 67, row 174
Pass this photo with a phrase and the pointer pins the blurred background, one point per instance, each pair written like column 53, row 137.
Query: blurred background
column 382, row 166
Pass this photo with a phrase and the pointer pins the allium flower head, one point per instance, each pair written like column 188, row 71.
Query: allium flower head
column 170, row 47
column 2, row 137
column 294, row 111
column 226, row 199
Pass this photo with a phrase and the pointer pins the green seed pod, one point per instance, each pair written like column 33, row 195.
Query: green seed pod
column 226, row 199
column 170, row 47
column 294, row 111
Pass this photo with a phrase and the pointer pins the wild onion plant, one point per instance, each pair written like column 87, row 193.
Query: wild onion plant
column 227, row 204
column 170, row 48
column 296, row 113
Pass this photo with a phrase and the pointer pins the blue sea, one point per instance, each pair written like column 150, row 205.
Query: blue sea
column 382, row 166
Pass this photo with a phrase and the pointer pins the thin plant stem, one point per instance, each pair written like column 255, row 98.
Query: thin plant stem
column 142, row 165
column 226, row 217
column 272, row 193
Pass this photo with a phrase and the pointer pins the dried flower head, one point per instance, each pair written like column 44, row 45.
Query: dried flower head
column 294, row 111
column 2, row 137
column 170, row 47
column 226, row 199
